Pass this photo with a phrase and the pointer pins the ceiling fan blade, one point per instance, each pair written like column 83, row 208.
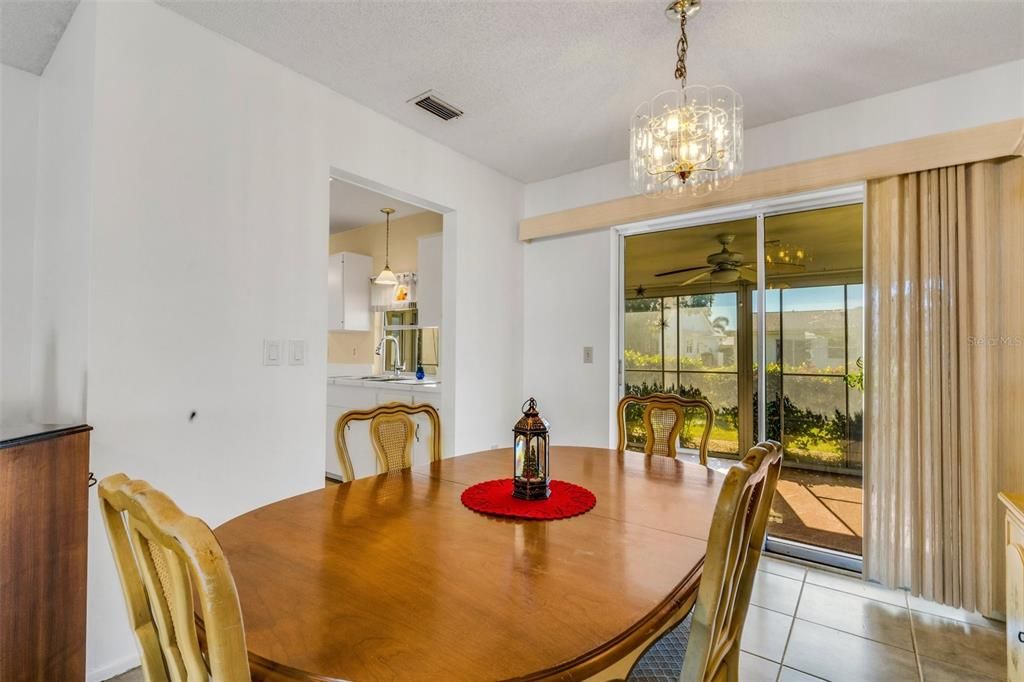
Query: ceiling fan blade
column 676, row 272
column 750, row 273
column 696, row 277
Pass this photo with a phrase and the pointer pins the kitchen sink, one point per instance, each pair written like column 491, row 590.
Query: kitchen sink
column 392, row 379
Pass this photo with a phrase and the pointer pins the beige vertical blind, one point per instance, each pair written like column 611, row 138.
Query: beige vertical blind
column 945, row 373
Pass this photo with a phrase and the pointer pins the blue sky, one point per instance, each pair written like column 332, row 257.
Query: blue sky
column 807, row 298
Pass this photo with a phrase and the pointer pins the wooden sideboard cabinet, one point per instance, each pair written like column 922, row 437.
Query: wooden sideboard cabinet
column 1014, row 504
column 44, row 494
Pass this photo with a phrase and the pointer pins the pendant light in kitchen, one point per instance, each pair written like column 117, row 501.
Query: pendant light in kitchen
column 386, row 277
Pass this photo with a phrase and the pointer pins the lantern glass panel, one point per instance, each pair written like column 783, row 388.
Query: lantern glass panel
column 521, row 451
column 534, row 466
column 542, row 456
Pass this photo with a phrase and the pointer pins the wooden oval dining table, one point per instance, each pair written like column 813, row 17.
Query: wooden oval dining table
column 390, row 577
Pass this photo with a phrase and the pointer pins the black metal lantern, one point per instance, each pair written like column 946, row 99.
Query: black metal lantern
column 531, row 475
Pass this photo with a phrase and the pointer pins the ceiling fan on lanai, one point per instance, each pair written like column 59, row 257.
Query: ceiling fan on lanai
column 726, row 267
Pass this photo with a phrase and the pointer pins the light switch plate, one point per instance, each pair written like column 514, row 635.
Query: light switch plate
column 588, row 355
column 296, row 352
column 271, row 352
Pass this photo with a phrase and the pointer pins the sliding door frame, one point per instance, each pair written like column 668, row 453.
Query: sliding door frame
column 760, row 209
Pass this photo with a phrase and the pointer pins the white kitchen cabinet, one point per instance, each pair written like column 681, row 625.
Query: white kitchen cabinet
column 432, row 399
column 396, row 395
column 428, row 281
column 348, row 292
column 357, row 438
column 421, row 440
column 421, row 446
column 360, row 450
column 341, row 399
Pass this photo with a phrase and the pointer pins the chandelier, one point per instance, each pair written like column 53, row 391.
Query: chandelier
column 779, row 253
column 686, row 141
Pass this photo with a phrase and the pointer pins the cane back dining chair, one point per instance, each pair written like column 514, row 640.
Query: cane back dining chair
column 705, row 644
column 392, row 432
column 163, row 558
column 664, row 417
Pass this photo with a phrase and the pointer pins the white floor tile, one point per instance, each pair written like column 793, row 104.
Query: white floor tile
column 842, row 657
column 756, row 669
column 765, row 633
column 791, row 675
column 859, row 587
column 776, row 592
column 972, row 617
column 770, row 564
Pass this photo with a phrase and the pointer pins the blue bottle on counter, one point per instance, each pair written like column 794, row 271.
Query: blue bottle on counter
column 420, row 373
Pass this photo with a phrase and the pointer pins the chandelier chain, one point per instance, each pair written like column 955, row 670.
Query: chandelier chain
column 681, row 49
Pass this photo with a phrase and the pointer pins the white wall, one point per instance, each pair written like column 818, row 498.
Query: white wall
column 19, row 100
column 973, row 99
column 209, row 235
column 64, row 193
column 965, row 101
column 568, row 309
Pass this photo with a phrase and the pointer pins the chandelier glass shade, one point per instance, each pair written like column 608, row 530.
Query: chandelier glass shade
column 687, row 141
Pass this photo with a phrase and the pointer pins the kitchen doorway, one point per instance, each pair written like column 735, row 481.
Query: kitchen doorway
column 693, row 290
column 386, row 311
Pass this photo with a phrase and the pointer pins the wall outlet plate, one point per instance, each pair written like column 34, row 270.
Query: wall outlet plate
column 296, row 351
column 588, row 355
column 272, row 352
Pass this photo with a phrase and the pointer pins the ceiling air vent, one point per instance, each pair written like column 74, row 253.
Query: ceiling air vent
column 430, row 102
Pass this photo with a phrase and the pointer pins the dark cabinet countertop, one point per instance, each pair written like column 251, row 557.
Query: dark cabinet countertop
column 19, row 434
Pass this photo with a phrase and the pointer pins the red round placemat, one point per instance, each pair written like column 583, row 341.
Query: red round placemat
column 495, row 497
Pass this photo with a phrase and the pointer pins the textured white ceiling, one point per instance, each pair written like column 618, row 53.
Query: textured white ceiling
column 30, row 31
column 352, row 206
column 548, row 87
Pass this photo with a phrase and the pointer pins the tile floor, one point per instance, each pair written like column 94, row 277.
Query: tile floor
column 806, row 625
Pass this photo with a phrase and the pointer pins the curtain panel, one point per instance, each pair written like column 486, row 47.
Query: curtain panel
column 944, row 281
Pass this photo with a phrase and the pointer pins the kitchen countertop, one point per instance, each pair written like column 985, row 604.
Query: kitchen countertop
column 407, row 382
column 20, row 434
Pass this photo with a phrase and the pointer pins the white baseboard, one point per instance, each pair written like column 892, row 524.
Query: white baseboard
column 109, row 670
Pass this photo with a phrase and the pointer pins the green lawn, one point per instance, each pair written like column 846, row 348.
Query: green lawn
column 810, row 448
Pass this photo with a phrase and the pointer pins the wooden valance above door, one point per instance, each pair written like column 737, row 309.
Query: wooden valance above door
column 993, row 141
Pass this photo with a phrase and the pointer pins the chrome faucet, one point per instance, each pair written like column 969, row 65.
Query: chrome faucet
column 398, row 352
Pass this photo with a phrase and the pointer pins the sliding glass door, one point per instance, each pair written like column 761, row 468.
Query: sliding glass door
column 692, row 326
column 687, row 334
column 814, row 390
